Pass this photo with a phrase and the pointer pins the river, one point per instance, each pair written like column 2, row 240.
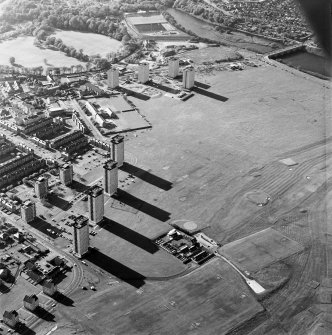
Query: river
column 236, row 39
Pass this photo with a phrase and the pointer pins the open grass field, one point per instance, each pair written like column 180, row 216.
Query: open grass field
column 126, row 243
column 258, row 250
column 211, row 55
column 211, row 300
column 198, row 164
column 92, row 44
column 14, row 298
column 28, row 55
column 202, row 145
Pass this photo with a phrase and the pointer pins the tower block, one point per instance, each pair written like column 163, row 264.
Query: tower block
column 118, row 149
column 110, row 177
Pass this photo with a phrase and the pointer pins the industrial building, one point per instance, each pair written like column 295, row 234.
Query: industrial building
column 118, row 149
column 188, row 79
column 49, row 287
column 110, row 177
column 66, row 174
column 96, row 204
column 80, row 235
column 11, row 318
column 31, row 302
column 102, row 117
column 113, row 77
column 28, row 211
column 41, row 187
column 143, row 72
column 173, row 67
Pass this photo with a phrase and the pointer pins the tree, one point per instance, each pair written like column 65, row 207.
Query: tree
column 125, row 39
column 12, row 60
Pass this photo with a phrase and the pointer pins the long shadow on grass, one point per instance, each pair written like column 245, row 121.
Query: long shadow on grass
column 146, row 176
column 4, row 289
column 115, row 268
column 56, row 201
column 141, row 205
column 63, row 299
column 23, row 329
column 202, row 85
column 129, row 235
column 209, row 94
column 79, row 187
column 197, row 83
column 42, row 313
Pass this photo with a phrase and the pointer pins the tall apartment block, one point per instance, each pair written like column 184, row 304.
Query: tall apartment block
column 11, row 318
column 110, row 176
column 66, row 174
column 31, row 302
column 113, row 77
column 80, row 235
column 28, row 211
column 173, row 67
column 41, row 187
column 118, row 149
column 188, row 80
column 49, row 287
column 143, row 72
column 96, row 204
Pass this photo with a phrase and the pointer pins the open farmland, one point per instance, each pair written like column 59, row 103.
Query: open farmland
column 208, row 301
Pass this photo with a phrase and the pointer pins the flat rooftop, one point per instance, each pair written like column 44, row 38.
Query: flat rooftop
column 110, row 164
column 95, row 191
column 117, row 139
column 80, row 221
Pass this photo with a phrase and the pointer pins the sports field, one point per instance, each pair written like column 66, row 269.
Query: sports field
column 151, row 19
column 92, row 44
column 258, row 250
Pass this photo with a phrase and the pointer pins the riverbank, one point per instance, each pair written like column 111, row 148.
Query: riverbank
column 206, row 30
